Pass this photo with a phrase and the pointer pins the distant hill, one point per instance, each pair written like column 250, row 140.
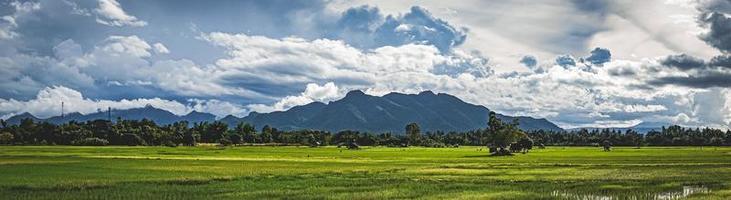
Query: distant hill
column 642, row 128
column 160, row 116
column 356, row 111
column 389, row 113
column 17, row 118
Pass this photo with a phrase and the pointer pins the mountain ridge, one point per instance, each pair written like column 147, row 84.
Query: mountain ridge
column 158, row 115
column 642, row 128
column 389, row 113
column 356, row 111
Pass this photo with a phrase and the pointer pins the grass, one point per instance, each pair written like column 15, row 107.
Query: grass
column 66, row 172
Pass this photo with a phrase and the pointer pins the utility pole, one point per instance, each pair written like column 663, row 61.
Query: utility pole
column 62, row 119
column 109, row 113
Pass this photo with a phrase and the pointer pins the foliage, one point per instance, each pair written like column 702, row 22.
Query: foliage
column 498, row 134
column 256, row 172
column 413, row 133
column 6, row 138
column 502, row 135
column 90, row 142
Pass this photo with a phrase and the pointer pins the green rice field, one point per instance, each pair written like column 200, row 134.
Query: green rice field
column 264, row 172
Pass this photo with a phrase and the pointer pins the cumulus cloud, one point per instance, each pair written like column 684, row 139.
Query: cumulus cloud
column 256, row 60
column 696, row 72
column 111, row 13
column 714, row 17
column 8, row 23
column 720, row 61
column 682, row 61
column 703, row 80
column 529, row 61
column 47, row 103
column 713, row 107
column 599, row 56
column 160, row 48
column 559, row 93
column 23, row 75
column 282, row 54
column 313, row 92
column 271, row 70
column 366, row 27
column 218, row 107
column 565, row 60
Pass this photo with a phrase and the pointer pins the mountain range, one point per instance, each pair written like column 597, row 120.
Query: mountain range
column 642, row 128
column 160, row 116
column 356, row 111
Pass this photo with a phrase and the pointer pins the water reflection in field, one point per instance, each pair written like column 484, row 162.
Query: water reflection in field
column 667, row 195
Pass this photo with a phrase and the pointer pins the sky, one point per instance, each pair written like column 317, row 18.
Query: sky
column 577, row 63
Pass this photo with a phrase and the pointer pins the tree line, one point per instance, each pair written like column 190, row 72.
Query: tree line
column 501, row 137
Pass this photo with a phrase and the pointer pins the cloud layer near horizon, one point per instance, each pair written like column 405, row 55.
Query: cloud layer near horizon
column 287, row 54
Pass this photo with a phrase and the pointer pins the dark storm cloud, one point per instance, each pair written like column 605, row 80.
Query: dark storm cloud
column 529, row 61
column 682, row 61
column 719, row 31
column 711, row 73
column 706, row 80
column 596, row 6
column 33, row 58
column 720, row 61
column 565, row 61
column 599, row 56
column 366, row 27
column 713, row 17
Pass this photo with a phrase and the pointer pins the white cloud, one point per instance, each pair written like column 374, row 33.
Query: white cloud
column 270, row 72
column 48, row 103
column 219, row 108
column 111, row 13
column 313, row 92
column 125, row 45
column 581, row 95
column 8, row 22
column 160, row 48
column 713, row 107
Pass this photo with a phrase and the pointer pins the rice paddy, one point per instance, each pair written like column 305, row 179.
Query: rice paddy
column 209, row 172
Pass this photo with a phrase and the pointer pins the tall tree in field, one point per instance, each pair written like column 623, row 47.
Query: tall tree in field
column 501, row 135
column 413, row 132
column 213, row 132
column 6, row 138
column 266, row 134
column 247, row 131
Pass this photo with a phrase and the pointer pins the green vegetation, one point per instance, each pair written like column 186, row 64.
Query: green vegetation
column 498, row 135
column 255, row 172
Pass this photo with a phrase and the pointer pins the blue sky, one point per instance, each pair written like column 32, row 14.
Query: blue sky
column 576, row 63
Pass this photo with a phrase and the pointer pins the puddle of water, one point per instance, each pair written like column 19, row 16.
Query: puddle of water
column 669, row 195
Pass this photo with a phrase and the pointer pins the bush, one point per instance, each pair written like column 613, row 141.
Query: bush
column 236, row 138
column 169, row 143
column 225, row 142
column 90, row 142
column 432, row 143
column 6, row 138
column 133, row 140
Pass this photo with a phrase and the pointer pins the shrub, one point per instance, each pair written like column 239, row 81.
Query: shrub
column 169, row 143
column 133, row 140
column 225, row 142
column 6, row 138
column 432, row 143
column 90, row 142
column 236, row 138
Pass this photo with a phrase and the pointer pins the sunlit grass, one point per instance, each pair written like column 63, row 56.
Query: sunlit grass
column 63, row 172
